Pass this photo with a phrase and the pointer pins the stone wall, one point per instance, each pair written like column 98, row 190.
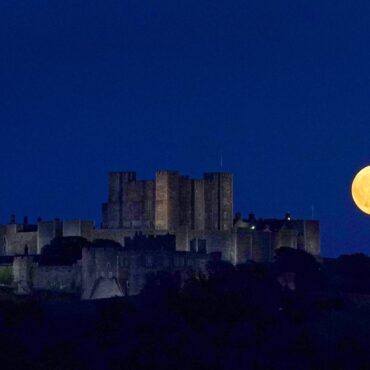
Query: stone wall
column 185, row 203
column 47, row 231
column 130, row 202
column 137, row 197
column 226, row 201
column 148, row 205
column 254, row 245
column 263, row 250
column 57, row 278
column 216, row 241
column 104, row 268
column 82, row 228
column 198, row 209
column 244, row 249
column 111, row 215
column 2, row 240
column 166, row 200
column 286, row 238
column 138, row 265
column 112, row 210
column 218, row 195
column 236, row 245
column 312, row 237
column 22, row 274
column 117, row 235
column 211, row 202
column 97, row 263
column 15, row 240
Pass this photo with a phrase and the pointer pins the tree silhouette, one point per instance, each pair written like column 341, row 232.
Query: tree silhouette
column 63, row 250
column 304, row 265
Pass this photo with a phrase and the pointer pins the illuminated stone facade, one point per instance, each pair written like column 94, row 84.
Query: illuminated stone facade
column 170, row 202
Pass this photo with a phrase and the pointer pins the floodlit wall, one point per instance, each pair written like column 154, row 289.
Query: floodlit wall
column 15, row 240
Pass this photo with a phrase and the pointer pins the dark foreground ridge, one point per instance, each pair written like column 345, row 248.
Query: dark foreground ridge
column 291, row 314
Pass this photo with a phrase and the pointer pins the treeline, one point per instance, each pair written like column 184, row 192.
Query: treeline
column 348, row 273
column 295, row 313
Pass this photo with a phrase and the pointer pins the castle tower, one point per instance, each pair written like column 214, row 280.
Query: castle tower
column 218, row 201
column 185, row 202
column 167, row 200
column 130, row 203
column 113, row 210
column 198, row 208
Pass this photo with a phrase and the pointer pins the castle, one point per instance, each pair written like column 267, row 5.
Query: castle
column 197, row 212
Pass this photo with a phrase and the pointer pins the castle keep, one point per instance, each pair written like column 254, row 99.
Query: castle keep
column 196, row 214
column 170, row 202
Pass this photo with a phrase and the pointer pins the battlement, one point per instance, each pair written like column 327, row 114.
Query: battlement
column 152, row 242
column 212, row 175
column 167, row 172
column 125, row 176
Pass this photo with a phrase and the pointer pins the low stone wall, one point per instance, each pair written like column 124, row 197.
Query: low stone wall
column 128, row 268
column 57, row 278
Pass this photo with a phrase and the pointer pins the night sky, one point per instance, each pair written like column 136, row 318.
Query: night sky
column 279, row 89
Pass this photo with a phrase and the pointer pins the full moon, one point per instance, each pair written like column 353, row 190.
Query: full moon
column 361, row 190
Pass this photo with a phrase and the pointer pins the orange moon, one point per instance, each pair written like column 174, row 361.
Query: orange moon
column 361, row 190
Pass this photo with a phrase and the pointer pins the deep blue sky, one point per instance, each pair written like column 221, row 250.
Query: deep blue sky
column 281, row 88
